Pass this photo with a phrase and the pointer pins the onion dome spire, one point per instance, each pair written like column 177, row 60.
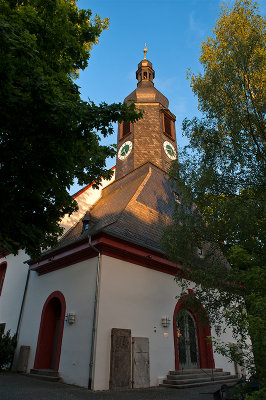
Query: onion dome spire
column 145, row 51
column 145, row 74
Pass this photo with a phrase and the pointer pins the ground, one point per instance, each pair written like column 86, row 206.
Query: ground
column 20, row 387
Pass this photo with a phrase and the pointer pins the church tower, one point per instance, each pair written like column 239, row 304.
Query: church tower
column 152, row 138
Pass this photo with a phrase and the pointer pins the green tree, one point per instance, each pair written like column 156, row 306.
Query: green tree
column 49, row 136
column 8, row 345
column 218, row 229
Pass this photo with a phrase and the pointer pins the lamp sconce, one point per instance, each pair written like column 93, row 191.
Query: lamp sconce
column 70, row 318
column 166, row 322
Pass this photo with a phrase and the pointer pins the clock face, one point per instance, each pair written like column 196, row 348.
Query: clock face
column 169, row 150
column 125, row 150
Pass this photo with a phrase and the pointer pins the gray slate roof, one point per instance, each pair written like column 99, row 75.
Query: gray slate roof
column 136, row 208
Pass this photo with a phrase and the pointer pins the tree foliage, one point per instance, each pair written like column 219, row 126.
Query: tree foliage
column 218, row 230
column 8, row 345
column 49, row 136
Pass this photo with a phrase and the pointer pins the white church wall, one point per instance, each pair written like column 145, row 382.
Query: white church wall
column 77, row 283
column 13, row 289
column 136, row 298
column 222, row 361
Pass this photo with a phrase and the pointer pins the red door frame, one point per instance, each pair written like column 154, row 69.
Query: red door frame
column 38, row 357
column 203, row 332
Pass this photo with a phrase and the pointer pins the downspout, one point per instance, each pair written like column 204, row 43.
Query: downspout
column 94, row 327
column 21, row 311
column 23, row 302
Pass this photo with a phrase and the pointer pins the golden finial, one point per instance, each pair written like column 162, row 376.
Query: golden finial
column 145, row 51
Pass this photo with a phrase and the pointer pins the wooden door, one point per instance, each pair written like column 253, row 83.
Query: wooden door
column 50, row 332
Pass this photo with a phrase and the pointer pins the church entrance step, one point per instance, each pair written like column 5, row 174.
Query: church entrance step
column 196, row 371
column 191, row 385
column 45, row 374
column 197, row 377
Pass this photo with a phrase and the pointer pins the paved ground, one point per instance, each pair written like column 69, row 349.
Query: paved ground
column 19, row 387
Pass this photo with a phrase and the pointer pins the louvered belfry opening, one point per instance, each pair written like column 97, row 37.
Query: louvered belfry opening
column 125, row 128
column 168, row 125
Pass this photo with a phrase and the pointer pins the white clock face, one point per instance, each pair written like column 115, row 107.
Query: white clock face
column 169, row 150
column 125, row 150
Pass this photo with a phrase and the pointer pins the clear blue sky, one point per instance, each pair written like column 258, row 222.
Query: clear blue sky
column 173, row 31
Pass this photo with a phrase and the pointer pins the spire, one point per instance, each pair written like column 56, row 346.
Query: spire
column 145, row 74
column 145, row 51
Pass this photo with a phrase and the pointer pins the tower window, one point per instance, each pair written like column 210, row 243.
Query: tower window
column 125, row 129
column 168, row 123
column 145, row 75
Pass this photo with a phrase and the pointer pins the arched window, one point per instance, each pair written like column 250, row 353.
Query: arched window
column 2, row 275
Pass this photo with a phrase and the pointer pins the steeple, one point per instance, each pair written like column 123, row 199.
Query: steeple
column 146, row 92
column 145, row 74
column 151, row 139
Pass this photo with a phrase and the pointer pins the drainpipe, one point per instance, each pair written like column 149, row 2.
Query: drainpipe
column 21, row 311
column 94, row 327
column 23, row 302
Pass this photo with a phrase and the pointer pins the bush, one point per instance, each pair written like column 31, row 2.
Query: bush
column 8, row 345
column 258, row 395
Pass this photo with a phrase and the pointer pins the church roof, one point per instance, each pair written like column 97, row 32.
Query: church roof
column 136, row 208
column 147, row 94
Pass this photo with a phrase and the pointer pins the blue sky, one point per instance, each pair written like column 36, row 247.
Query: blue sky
column 173, row 31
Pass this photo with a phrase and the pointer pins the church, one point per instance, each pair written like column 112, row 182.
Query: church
column 100, row 310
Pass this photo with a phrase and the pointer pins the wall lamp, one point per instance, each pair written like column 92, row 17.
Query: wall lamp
column 70, row 318
column 165, row 321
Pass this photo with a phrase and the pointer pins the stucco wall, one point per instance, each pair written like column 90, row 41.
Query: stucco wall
column 131, row 297
column 136, row 298
column 77, row 283
column 13, row 289
column 221, row 361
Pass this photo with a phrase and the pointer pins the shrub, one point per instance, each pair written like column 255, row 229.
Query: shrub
column 8, row 345
column 258, row 395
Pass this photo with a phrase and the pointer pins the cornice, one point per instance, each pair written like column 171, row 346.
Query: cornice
column 109, row 246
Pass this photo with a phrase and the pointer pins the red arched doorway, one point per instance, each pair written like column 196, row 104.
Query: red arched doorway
column 190, row 326
column 51, row 332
